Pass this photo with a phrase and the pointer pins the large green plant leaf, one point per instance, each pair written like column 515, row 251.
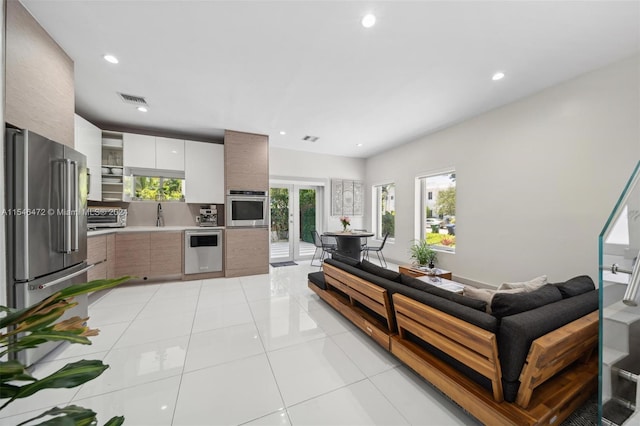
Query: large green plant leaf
column 17, row 316
column 13, row 371
column 71, row 415
column 69, row 376
column 52, row 335
column 95, row 285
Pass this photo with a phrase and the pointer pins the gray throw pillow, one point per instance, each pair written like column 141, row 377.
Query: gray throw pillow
column 575, row 286
column 504, row 304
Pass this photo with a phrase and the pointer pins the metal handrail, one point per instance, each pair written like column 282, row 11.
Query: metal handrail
column 631, row 295
column 615, row 268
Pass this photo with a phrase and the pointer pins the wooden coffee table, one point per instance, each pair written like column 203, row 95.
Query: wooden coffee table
column 415, row 271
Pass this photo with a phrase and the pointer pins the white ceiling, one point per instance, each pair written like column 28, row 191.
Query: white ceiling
column 310, row 68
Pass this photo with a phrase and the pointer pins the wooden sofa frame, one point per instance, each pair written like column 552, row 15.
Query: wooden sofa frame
column 560, row 372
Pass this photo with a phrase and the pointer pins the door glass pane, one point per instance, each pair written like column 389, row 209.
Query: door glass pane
column 279, row 201
column 307, row 222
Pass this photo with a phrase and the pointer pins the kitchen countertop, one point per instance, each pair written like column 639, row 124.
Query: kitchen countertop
column 104, row 231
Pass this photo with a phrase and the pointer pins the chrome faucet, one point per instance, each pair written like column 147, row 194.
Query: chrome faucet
column 159, row 218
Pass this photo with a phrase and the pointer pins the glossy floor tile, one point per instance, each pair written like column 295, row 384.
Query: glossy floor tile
column 258, row 350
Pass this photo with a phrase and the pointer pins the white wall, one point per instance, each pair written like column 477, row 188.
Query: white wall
column 536, row 179
column 318, row 169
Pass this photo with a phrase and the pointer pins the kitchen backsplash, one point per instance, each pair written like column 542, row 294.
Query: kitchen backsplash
column 143, row 213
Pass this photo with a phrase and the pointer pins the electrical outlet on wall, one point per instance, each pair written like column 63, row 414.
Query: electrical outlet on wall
column 197, row 219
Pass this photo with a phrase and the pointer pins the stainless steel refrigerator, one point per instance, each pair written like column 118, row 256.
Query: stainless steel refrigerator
column 46, row 200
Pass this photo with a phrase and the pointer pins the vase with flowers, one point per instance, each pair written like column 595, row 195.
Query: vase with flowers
column 345, row 221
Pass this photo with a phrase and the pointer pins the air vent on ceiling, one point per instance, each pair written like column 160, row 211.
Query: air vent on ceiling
column 134, row 100
column 310, row 138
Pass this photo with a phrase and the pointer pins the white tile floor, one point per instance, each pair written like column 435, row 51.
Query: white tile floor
column 259, row 350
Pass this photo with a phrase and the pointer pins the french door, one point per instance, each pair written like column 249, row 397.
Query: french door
column 295, row 214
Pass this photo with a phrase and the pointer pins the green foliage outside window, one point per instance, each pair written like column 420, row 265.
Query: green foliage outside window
column 389, row 224
column 159, row 188
column 446, row 202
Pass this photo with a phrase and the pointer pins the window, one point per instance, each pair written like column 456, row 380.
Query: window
column 438, row 207
column 385, row 210
column 158, row 188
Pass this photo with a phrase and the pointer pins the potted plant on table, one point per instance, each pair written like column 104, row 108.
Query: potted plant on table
column 423, row 254
column 21, row 329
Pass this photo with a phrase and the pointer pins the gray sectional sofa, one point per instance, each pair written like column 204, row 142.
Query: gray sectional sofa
column 531, row 361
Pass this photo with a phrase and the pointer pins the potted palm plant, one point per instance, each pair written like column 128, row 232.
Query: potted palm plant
column 26, row 328
column 423, row 253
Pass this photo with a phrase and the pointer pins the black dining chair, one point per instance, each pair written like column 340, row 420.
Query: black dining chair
column 378, row 251
column 324, row 244
column 363, row 240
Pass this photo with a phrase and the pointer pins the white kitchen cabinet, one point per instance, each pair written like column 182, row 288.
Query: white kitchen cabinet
column 88, row 141
column 151, row 152
column 139, row 150
column 169, row 154
column 204, row 172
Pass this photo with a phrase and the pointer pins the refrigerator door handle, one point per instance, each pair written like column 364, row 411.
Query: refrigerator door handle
column 67, row 207
column 62, row 279
column 74, row 206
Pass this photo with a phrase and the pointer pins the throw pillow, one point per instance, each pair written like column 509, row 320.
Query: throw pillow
column 374, row 269
column 530, row 285
column 445, row 294
column 486, row 294
column 575, row 286
column 505, row 304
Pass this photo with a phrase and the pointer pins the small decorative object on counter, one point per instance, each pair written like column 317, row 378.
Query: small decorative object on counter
column 346, row 221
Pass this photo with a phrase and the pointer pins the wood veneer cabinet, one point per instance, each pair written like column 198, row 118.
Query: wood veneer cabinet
column 39, row 93
column 132, row 254
column 148, row 254
column 97, row 255
column 246, row 161
column 165, row 253
column 247, row 251
column 111, row 256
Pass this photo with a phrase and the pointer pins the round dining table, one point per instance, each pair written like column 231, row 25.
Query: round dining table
column 349, row 242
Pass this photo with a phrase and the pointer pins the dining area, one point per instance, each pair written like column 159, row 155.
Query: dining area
column 349, row 243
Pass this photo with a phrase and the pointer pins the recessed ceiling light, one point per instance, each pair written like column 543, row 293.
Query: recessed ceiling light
column 369, row 20
column 282, row 132
column 358, row 144
column 111, row 59
column 498, row 76
column 142, row 109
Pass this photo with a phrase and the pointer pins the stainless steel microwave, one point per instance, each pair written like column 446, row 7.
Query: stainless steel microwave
column 247, row 209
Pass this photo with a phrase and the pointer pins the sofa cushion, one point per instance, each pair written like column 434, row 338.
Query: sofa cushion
column 318, row 279
column 380, row 271
column 449, row 295
column 530, row 285
column 390, row 286
column 346, row 259
column 505, row 304
column 575, row 286
column 517, row 332
column 486, row 294
column 473, row 316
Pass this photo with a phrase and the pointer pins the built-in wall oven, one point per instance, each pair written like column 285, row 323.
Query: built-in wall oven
column 202, row 251
column 247, row 209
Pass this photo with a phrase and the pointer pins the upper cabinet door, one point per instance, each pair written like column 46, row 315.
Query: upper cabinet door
column 169, row 154
column 88, row 141
column 204, row 172
column 246, row 161
column 139, row 150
